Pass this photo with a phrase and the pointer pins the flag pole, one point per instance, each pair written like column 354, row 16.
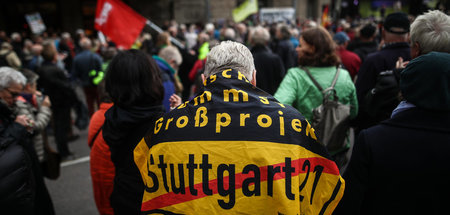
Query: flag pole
column 159, row 30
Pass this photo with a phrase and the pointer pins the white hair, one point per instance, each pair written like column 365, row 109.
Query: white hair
column 229, row 33
column 432, row 31
column 15, row 36
column 209, row 27
column 9, row 76
column 170, row 53
column 260, row 36
column 230, row 55
column 65, row 35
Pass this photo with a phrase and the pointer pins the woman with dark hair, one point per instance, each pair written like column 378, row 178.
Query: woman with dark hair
column 317, row 54
column 134, row 85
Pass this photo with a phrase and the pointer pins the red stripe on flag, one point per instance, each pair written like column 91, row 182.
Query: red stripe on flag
column 171, row 198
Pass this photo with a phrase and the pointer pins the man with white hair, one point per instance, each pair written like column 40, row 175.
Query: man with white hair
column 234, row 149
column 85, row 67
column 22, row 189
column 169, row 60
column 269, row 65
column 402, row 163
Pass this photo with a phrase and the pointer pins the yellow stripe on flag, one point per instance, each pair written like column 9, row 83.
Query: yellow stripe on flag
column 244, row 10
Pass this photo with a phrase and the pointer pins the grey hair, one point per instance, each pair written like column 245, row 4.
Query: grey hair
column 432, row 31
column 230, row 55
column 85, row 43
column 170, row 53
column 260, row 36
column 9, row 76
column 15, row 36
column 229, row 33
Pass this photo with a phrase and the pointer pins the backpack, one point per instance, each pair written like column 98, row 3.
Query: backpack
column 382, row 99
column 331, row 119
column 3, row 61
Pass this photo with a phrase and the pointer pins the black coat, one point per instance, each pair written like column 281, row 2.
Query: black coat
column 55, row 84
column 362, row 49
column 401, row 166
column 286, row 51
column 375, row 63
column 122, row 131
column 269, row 69
column 17, row 188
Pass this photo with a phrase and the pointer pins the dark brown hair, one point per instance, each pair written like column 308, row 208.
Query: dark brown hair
column 325, row 49
column 133, row 78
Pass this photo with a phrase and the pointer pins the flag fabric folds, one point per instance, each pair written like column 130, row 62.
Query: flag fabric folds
column 234, row 149
column 244, row 10
column 119, row 22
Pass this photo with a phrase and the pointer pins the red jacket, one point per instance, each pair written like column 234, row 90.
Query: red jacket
column 351, row 61
column 102, row 168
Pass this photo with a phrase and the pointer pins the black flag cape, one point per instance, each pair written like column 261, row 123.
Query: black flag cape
column 235, row 149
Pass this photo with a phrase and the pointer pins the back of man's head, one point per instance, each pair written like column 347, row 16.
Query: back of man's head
column 171, row 53
column 396, row 27
column 230, row 55
column 48, row 50
column 85, row 43
column 260, row 36
column 431, row 32
column 367, row 31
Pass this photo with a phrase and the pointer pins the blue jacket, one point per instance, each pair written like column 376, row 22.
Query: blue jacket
column 168, row 79
column 83, row 63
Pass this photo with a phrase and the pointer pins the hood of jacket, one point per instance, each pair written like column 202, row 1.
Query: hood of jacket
column 120, row 122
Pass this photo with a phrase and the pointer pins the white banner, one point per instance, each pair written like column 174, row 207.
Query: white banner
column 271, row 15
column 36, row 23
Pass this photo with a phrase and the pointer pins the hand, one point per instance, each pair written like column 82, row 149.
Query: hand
column 174, row 100
column 24, row 121
column 46, row 102
column 38, row 93
column 400, row 64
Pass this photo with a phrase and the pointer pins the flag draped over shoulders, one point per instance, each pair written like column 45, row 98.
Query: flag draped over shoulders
column 236, row 149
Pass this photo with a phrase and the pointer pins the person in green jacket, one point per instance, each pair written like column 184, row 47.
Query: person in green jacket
column 318, row 54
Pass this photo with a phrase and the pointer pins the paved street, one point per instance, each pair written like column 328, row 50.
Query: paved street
column 72, row 191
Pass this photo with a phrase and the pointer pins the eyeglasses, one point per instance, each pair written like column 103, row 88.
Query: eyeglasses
column 13, row 94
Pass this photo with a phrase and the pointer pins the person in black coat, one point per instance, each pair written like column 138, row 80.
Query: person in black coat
column 22, row 187
column 284, row 47
column 134, row 84
column 401, row 166
column 55, row 84
column 269, row 66
column 395, row 35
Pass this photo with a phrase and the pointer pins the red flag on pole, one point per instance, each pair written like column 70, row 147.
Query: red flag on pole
column 119, row 22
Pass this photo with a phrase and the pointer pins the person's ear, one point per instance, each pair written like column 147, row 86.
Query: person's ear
column 415, row 50
column 253, row 82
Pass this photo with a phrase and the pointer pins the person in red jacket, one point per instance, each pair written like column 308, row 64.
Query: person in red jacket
column 350, row 60
column 102, row 168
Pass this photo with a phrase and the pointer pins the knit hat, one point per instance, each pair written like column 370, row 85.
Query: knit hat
column 340, row 38
column 425, row 82
column 368, row 30
column 397, row 23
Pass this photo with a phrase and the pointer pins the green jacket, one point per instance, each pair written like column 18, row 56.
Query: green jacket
column 298, row 90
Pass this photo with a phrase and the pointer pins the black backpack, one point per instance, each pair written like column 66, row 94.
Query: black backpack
column 382, row 99
column 3, row 61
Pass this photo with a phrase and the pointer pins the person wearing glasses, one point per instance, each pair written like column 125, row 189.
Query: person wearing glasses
column 16, row 175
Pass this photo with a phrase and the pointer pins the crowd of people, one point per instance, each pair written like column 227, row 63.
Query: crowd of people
column 234, row 96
